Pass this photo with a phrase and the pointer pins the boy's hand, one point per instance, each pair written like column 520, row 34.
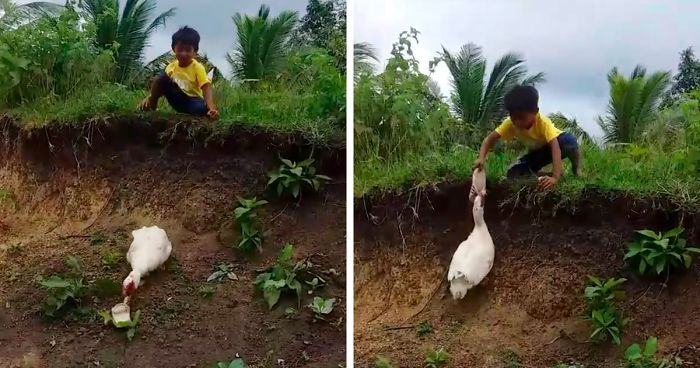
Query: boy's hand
column 546, row 182
column 213, row 114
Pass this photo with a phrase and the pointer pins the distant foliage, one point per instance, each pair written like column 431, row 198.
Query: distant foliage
column 688, row 77
column 324, row 26
column 570, row 126
column 634, row 102
column 50, row 57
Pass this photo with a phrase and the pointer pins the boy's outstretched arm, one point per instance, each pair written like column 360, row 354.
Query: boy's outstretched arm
column 548, row 182
column 486, row 146
column 213, row 113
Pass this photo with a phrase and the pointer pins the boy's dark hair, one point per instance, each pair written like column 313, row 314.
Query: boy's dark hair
column 521, row 98
column 186, row 36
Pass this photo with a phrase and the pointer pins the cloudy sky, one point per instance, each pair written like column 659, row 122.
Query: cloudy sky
column 575, row 43
column 212, row 19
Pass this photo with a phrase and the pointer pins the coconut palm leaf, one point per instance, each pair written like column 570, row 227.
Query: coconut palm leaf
column 633, row 103
column 571, row 126
column 364, row 56
column 479, row 100
column 261, row 45
column 127, row 34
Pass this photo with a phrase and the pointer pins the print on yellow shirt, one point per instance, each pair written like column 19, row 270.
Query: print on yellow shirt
column 190, row 79
column 539, row 134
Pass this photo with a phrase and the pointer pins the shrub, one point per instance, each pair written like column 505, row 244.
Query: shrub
column 279, row 278
column 656, row 253
column 63, row 291
column 606, row 321
column 245, row 215
column 292, row 177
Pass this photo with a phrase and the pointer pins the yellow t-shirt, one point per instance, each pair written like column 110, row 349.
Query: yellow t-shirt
column 540, row 133
column 190, row 79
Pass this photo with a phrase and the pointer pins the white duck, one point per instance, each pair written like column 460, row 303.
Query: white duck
column 474, row 257
column 149, row 250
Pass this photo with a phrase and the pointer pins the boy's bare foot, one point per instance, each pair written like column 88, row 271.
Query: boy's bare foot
column 148, row 104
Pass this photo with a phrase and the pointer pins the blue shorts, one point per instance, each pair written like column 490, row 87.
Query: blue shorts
column 178, row 99
column 535, row 160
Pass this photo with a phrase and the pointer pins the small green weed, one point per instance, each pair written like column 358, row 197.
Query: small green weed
column 424, row 328
column 436, row 358
column 251, row 238
column 63, row 291
column 246, row 211
column 112, row 258
column 206, row 291
column 321, row 307
column 280, row 277
column 14, row 248
column 292, row 177
column 635, row 357
column 606, row 321
column 236, row 363
column 221, row 272
column 7, row 196
column 97, row 238
column 246, row 218
column 130, row 326
column 315, row 283
column 510, row 359
column 600, row 292
column 382, row 362
column 657, row 253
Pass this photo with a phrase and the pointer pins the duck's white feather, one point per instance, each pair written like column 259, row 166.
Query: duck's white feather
column 149, row 250
column 473, row 259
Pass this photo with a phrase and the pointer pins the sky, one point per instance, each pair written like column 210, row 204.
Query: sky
column 575, row 43
column 212, row 19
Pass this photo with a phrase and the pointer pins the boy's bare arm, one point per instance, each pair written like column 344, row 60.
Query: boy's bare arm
column 486, row 146
column 548, row 182
column 213, row 113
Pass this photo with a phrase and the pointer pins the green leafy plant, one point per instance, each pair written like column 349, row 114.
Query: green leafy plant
column 382, row 362
column 279, row 278
column 246, row 211
column 436, row 358
column 206, row 291
column 131, row 326
column 111, row 258
column 321, row 307
column 63, row 291
column 607, row 323
column 600, row 292
column 424, row 328
column 290, row 312
column 251, row 238
column 315, row 283
column 656, row 253
column 245, row 215
column 636, row 357
column 510, row 359
column 292, row 177
column 236, row 363
column 221, row 272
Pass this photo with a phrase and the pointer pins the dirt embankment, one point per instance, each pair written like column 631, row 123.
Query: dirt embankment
column 81, row 191
column 529, row 309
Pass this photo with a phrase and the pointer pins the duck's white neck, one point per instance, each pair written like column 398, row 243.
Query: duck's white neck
column 479, row 221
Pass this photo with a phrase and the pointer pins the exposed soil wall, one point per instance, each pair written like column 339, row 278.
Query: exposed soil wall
column 82, row 190
column 529, row 308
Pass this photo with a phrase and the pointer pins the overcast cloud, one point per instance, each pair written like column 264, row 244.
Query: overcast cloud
column 212, row 19
column 575, row 43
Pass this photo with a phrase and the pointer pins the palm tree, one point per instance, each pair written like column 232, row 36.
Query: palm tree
column 475, row 99
column 363, row 56
column 128, row 34
column 261, row 45
column 570, row 125
column 633, row 103
column 158, row 64
column 13, row 14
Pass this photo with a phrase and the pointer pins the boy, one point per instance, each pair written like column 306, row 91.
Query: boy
column 184, row 83
column 546, row 143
